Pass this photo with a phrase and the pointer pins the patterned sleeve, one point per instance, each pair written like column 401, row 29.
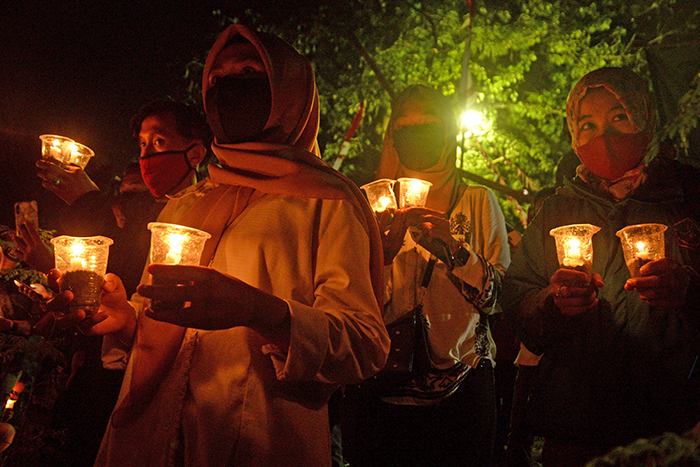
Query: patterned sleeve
column 478, row 221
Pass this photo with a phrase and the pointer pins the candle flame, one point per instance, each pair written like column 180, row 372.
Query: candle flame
column 573, row 248
column 383, row 203
column 175, row 241
column 641, row 247
column 77, row 249
column 55, row 143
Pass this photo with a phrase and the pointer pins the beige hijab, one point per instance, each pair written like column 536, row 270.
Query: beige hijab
column 447, row 184
column 286, row 163
column 633, row 93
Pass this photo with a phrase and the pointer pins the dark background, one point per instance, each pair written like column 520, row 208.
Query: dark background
column 81, row 69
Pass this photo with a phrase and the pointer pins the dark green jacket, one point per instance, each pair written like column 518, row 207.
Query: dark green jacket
column 624, row 370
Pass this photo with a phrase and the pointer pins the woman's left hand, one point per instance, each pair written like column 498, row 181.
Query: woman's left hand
column 32, row 250
column 432, row 223
column 434, row 232
column 663, row 282
column 204, row 298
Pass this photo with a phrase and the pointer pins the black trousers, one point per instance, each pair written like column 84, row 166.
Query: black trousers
column 458, row 431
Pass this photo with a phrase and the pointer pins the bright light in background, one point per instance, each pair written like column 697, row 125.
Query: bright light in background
column 473, row 122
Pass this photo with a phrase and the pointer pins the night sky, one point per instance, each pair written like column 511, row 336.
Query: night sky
column 82, row 69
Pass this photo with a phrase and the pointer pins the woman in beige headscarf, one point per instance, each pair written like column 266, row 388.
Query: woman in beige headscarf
column 444, row 415
column 234, row 364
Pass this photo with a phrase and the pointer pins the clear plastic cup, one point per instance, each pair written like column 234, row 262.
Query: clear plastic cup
column 176, row 244
column 82, row 262
column 380, row 195
column 575, row 246
column 62, row 151
column 641, row 244
column 413, row 192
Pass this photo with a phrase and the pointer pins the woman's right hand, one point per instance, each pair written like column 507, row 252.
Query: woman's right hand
column 69, row 183
column 115, row 316
column 573, row 292
column 392, row 240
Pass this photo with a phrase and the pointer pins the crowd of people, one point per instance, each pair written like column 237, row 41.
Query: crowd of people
column 303, row 293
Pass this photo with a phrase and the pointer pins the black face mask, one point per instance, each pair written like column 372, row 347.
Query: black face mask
column 419, row 146
column 238, row 108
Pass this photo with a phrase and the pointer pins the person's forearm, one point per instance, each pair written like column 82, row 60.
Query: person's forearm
column 270, row 317
column 528, row 320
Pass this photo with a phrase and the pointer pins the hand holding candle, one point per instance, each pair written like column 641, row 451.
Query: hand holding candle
column 575, row 246
column 413, row 192
column 63, row 151
column 641, row 244
column 175, row 244
column 82, row 262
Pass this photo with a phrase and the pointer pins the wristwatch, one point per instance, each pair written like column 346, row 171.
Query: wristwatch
column 461, row 256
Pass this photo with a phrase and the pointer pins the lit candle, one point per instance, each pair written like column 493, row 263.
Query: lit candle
column 175, row 241
column 642, row 252
column 414, row 192
column 76, row 262
column 10, row 404
column 73, row 154
column 383, row 203
column 573, row 253
column 55, row 150
column 574, row 246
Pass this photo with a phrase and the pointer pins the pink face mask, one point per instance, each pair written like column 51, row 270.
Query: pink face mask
column 610, row 155
column 163, row 171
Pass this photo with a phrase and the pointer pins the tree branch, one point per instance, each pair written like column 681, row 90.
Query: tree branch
column 372, row 64
column 519, row 196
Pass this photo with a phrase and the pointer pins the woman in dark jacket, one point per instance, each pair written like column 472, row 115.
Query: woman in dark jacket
column 619, row 354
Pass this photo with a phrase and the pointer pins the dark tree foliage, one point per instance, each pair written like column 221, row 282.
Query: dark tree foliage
column 525, row 55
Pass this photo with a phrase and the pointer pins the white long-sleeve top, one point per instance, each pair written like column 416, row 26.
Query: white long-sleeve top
column 245, row 401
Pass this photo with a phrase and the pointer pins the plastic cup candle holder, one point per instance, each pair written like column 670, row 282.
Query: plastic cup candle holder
column 63, row 151
column 176, row 244
column 641, row 244
column 82, row 262
column 413, row 192
column 575, row 246
column 380, row 195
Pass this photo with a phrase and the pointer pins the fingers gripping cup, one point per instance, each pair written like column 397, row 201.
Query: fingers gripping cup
column 175, row 244
column 82, row 262
column 575, row 246
column 641, row 244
